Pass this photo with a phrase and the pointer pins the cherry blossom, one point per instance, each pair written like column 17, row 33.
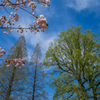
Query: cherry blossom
column 31, row 4
column 45, row 2
column 7, row 23
column 16, row 17
column 42, row 22
column 2, row 51
column 7, row 65
column 18, row 62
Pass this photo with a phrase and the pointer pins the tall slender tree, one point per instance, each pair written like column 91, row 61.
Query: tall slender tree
column 37, row 84
column 13, row 79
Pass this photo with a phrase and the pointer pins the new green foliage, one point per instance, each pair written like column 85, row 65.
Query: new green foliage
column 75, row 58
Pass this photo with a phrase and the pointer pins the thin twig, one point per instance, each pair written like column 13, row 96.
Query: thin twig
column 1, row 59
column 14, row 28
column 6, row 10
column 25, row 10
column 21, row 8
column 18, row 3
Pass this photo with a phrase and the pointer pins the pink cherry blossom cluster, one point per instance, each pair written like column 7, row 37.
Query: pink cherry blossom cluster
column 8, row 28
column 18, row 62
column 45, row 2
column 16, row 17
column 42, row 22
column 2, row 51
column 2, row 20
column 20, row 29
column 31, row 5
column 10, row 21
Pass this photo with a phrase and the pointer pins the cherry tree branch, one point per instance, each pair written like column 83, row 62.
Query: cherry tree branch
column 6, row 10
column 15, row 28
column 25, row 10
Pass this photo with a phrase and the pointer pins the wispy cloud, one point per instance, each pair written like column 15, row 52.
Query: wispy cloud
column 50, row 96
column 47, row 11
column 44, row 39
column 80, row 5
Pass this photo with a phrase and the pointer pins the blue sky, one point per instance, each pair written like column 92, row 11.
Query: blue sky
column 60, row 16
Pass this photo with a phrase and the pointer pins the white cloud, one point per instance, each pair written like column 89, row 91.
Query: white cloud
column 47, row 11
column 80, row 5
column 50, row 96
column 44, row 39
column 32, row 39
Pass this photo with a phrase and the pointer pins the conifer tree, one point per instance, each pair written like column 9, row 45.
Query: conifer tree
column 37, row 84
column 13, row 79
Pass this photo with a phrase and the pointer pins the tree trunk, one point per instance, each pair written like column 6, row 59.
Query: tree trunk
column 82, row 89
column 34, row 84
column 94, row 91
column 10, row 84
column 95, row 97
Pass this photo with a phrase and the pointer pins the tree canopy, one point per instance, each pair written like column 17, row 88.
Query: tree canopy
column 13, row 79
column 36, row 76
column 75, row 58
